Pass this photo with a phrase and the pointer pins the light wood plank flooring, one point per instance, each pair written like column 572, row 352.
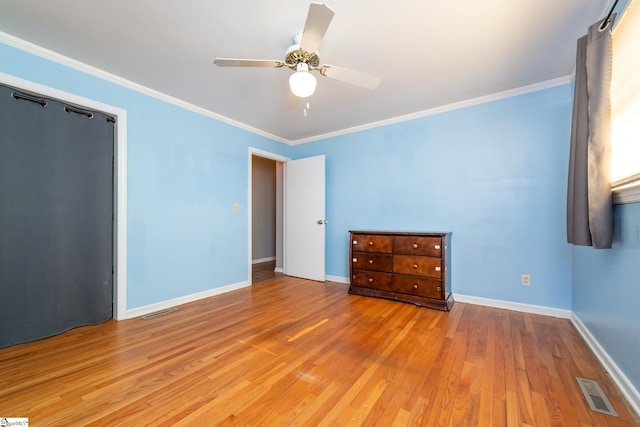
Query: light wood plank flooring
column 294, row 352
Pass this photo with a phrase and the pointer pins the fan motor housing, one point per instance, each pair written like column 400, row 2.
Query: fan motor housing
column 298, row 55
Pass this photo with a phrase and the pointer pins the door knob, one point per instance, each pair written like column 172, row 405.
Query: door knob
column 322, row 221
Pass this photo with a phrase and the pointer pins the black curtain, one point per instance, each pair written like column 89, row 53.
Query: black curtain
column 589, row 200
column 56, row 217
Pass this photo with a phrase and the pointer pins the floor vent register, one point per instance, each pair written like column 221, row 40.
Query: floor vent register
column 595, row 397
column 159, row 313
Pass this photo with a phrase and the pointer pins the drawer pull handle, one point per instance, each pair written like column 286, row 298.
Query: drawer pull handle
column 370, row 279
column 353, row 277
column 355, row 260
column 370, row 243
column 437, row 247
column 415, row 246
column 415, row 286
column 438, row 289
column 370, row 261
column 438, row 268
column 355, row 242
column 415, row 265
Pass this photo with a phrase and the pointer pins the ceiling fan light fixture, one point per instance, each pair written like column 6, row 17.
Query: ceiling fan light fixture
column 302, row 83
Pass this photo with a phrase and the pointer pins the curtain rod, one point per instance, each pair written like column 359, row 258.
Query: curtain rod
column 607, row 20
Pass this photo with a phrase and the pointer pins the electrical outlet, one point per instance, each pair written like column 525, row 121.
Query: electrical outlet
column 526, row 280
column 236, row 207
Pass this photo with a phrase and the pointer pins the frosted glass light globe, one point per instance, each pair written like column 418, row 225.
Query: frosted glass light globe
column 302, row 82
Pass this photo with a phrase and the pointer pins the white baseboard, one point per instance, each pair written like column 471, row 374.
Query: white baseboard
column 626, row 388
column 260, row 260
column 278, row 270
column 515, row 306
column 338, row 279
column 152, row 308
column 508, row 305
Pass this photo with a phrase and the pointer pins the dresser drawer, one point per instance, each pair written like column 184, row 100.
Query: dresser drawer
column 418, row 245
column 372, row 261
column 372, row 279
column 413, row 267
column 416, row 265
column 420, row 286
column 372, row 243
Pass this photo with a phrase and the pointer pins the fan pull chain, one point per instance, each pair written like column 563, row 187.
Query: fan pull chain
column 306, row 109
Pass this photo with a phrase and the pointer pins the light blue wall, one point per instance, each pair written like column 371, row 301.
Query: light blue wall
column 493, row 174
column 606, row 291
column 606, row 287
column 185, row 172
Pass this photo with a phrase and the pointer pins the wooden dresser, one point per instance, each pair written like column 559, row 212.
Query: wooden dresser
column 402, row 266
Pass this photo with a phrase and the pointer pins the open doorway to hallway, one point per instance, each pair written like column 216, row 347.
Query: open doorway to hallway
column 266, row 218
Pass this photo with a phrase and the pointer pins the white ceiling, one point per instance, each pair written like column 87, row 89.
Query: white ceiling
column 427, row 53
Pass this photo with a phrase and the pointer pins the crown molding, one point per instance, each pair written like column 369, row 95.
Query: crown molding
column 548, row 84
column 34, row 49
column 58, row 58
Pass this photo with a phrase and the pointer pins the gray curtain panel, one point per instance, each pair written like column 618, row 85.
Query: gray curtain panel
column 56, row 216
column 589, row 210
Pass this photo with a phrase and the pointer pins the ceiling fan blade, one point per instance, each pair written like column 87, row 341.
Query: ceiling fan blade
column 230, row 62
column 357, row 78
column 318, row 21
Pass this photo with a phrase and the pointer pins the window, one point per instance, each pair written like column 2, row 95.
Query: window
column 625, row 106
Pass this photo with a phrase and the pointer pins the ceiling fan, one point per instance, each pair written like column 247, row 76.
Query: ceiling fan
column 302, row 57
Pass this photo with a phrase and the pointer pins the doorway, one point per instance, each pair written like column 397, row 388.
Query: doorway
column 266, row 218
column 119, row 179
column 56, row 222
column 265, row 215
column 300, row 204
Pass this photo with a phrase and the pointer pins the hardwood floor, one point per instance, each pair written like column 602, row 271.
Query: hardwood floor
column 264, row 271
column 295, row 352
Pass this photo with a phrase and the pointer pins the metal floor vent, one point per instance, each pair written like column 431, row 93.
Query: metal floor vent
column 159, row 313
column 595, row 397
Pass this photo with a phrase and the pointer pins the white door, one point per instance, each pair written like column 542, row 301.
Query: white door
column 304, row 219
